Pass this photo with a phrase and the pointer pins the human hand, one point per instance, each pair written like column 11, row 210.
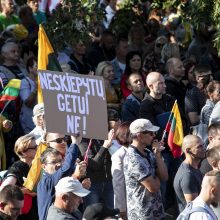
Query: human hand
column 80, row 170
column 157, row 147
column 108, row 143
column 86, row 183
column 7, row 124
column 76, row 138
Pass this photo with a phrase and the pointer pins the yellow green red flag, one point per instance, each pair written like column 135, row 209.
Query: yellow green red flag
column 174, row 129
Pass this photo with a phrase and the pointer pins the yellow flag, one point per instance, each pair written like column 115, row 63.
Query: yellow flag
column 46, row 58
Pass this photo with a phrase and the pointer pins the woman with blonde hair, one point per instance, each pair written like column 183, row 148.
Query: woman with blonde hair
column 106, row 70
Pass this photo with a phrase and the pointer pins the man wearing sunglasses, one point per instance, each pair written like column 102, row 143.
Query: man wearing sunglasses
column 144, row 172
column 57, row 162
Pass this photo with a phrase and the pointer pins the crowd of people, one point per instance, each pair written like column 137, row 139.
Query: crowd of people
column 133, row 173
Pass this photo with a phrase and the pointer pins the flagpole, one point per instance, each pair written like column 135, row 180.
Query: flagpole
column 6, row 105
column 165, row 130
column 86, row 158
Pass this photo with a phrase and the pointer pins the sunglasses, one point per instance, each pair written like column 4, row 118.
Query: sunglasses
column 59, row 140
column 151, row 133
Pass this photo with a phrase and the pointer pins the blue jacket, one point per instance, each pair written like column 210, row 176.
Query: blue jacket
column 130, row 108
column 46, row 186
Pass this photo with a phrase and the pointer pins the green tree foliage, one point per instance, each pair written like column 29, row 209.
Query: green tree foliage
column 72, row 21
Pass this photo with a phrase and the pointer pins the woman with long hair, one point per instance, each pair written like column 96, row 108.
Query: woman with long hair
column 133, row 65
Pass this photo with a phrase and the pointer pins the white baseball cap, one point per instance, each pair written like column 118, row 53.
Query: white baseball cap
column 69, row 184
column 141, row 125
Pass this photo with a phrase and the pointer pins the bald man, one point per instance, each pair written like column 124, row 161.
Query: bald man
column 188, row 179
column 209, row 195
column 155, row 104
column 156, row 101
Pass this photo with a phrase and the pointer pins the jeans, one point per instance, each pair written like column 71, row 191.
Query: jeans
column 101, row 192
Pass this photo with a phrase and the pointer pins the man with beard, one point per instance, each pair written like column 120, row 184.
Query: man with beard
column 188, row 179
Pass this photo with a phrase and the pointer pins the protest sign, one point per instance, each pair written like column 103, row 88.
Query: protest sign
column 74, row 103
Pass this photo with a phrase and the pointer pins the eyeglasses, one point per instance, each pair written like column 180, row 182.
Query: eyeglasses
column 151, row 133
column 55, row 162
column 59, row 140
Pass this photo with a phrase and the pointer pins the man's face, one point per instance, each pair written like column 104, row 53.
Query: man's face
column 215, row 139
column 159, row 86
column 73, row 202
column 58, row 141
column 53, row 163
column 40, row 121
column 9, row 6
column 198, row 149
column 136, row 83
column 122, row 48
column 108, row 42
column 13, row 53
column 13, row 208
column 147, row 137
column 33, row 5
column 178, row 68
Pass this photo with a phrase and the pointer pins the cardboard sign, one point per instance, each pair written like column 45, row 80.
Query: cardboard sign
column 74, row 103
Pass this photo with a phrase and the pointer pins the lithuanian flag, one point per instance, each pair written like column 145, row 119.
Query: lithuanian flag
column 46, row 58
column 10, row 92
column 174, row 129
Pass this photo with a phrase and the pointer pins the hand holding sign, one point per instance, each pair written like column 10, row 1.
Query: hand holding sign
column 76, row 138
column 108, row 143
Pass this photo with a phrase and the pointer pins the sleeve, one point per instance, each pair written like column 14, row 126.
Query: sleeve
column 127, row 113
column 191, row 102
column 139, row 168
column 201, row 216
column 189, row 184
column 118, row 181
column 68, row 166
column 25, row 90
column 95, row 161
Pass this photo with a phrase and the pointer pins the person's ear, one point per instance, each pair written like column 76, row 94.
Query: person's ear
column 210, row 138
column 214, row 164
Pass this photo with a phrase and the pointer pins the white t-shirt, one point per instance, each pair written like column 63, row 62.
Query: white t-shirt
column 210, row 215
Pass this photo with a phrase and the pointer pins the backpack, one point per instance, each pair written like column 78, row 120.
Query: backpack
column 185, row 214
